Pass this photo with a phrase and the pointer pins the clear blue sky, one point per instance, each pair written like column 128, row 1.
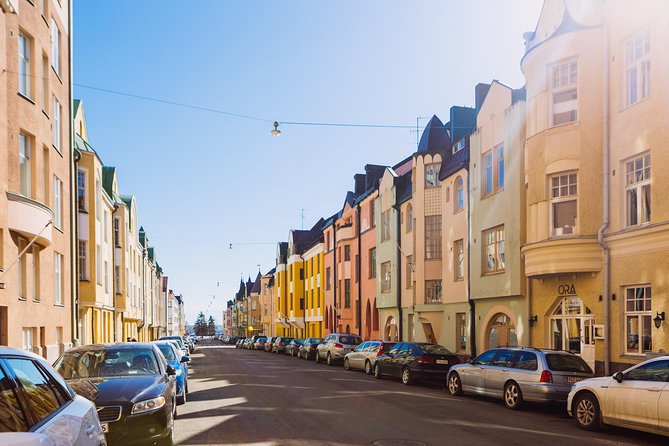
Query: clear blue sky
column 204, row 180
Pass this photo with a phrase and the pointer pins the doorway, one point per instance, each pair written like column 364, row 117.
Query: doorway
column 572, row 328
column 501, row 332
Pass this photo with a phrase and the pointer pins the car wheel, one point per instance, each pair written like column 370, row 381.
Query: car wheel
column 407, row 379
column 377, row 371
column 181, row 399
column 586, row 412
column 368, row 367
column 513, row 397
column 318, row 358
column 454, row 384
column 329, row 360
column 347, row 364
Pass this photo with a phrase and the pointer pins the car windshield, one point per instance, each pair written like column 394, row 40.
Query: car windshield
column 567, row 363
column 107, row 363
column 350, row 340
column 435, row 349
column 167, row 352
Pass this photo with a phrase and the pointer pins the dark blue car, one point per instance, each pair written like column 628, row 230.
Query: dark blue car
column 180, row 364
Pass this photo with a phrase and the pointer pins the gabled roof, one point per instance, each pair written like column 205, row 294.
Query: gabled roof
column 256, row 284
column 242, row 291
column 302, row 240
column 435, row 137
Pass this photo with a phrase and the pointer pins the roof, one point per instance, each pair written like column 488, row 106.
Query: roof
column 435, row 137
column 301, row 240
column 454, row 162
column 256, row 284
column 403, row 188
column 81, row 145
column 75, row 106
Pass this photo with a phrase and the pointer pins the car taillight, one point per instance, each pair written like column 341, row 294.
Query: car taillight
column 546, row 377
column 380, row 352
column 426, row 360
column 338, row 346
column 313, row 346
column 280, row 344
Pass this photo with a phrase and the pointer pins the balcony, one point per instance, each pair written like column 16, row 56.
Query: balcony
column 563, row 256
column 29, row 218
column 345, row 233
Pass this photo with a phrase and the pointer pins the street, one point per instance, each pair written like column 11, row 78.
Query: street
column 254, row 397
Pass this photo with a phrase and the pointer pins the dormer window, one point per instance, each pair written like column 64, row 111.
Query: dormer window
column 458, row 146
column 432, row 175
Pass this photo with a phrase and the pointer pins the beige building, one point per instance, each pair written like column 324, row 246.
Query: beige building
column 595, row 145
column 36, row 215
column 497, row 218
column 268, row 304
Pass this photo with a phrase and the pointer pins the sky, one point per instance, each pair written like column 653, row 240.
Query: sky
column 205, row 179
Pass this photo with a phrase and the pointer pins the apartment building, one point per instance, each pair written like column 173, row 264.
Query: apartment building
column 37, row 294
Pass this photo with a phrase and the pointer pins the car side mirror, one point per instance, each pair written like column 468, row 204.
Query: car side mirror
column 618, row 376
column 185, row 359
column 471, row 360
column 170, row 370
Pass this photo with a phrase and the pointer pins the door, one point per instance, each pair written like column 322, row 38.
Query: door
column 663, row 410
column 473, row 377
column 497, row 372
column 636, row 399
column 588, row 342
column 389, row 363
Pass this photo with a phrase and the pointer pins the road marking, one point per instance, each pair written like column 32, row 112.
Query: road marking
column 349, row 394
column 275, row 385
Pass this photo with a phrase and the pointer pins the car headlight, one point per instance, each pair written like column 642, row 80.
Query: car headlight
column 148, row 405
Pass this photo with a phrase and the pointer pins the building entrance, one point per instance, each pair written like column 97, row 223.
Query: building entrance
column 571, row 328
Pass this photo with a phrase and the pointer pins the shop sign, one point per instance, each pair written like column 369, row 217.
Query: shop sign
column 566, row 289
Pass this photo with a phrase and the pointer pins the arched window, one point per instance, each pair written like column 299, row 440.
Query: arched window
column 409, row 222
column 458, row 195
column 501, row 332
column 348, row 328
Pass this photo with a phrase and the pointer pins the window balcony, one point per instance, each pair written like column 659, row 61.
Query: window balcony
column 563, row 256
column 29, row 218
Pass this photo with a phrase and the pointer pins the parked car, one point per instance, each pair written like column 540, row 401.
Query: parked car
column 248, row 344
column 364, row 356
column 179, row 340
column 637, row 398
column 269, row 344
column 240, row 342
column 231, row 340
column 180, row 363
column 37, row 404
column 520, row 374
column 293, row 347
column 413, row 361
column 259, row 343
column 132, row 386
column 308, row 348
column 280, row 344
column 335, row 346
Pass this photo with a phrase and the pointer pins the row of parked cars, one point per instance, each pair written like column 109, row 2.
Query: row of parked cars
column 636, row 398
column 103, row 394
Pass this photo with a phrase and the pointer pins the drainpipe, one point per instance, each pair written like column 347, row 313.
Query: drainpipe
column 470, row 301
column 528, row 306
column 304, row 295
column 358, row 270
column 399, row 271
column 606, row 210
column 74, row 265
column 335, row 267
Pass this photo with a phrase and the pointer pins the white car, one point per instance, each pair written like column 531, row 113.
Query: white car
column 637, row 398
column 37, row 407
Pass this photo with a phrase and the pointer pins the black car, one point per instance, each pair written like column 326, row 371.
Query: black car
column 132, row 386
column 412, row 361
column 308, row 348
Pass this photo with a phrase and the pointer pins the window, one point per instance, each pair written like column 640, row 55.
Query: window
column 83, row 260
column 460, row 332
column 409, row 270
column 499, row 183
column 432, row 291
column 81, row 190
column 117, row 232
column 564, row 93
column 432, row 175
column 487, row 173
column 327, row 242
column 385, row 226
column 433, row 237
column 41, row 395
column 34, row 257
column 493, row 171
column 409, row 218
column 459, row 259
column 328, row 278
column 504, row 358
column 22, row 269
column 25, row 151
column 485, row 358
column 24, row 65
column 637, row 190
column 98, row 199
column 493, row 250
column 56, row 129
column 106, row 276
column 638, row 320
column 45, row 84
column 526, row 361
column 55, row 47
column 106, row 226
column 372, row 263
column 459, row 199
column 637, row 68
column 58, row 278
column 459, row 145
column 386, row 277
column 564, row 207
column 98, row 264
column 372, row 219
column 652, row 371
column 27, row 338
column 347, row 253
column 117, row 279
column 12, row 417
column 57, row 202
column 347, row 293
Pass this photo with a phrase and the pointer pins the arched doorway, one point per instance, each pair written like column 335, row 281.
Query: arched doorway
column 571, row 328
column 375, row 317
column 327, row 318
column 368, row 321
column 501, row 332
column 390, row 330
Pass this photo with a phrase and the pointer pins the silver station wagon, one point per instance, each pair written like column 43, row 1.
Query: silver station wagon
column 364, row 356
column 519, row 374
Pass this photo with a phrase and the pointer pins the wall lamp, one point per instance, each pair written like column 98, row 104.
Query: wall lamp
column 533, row 320
column 658, row 319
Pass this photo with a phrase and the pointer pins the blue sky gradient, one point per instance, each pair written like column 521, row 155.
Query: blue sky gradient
column 204, row 180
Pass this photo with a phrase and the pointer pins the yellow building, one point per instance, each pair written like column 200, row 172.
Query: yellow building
column 282, row 290
column 314, row 291
column 596, row 139
column 94, row 240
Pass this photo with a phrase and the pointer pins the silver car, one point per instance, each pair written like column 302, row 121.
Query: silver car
column 36, row 405
column 363, row 357
column 519, row 374
column 335, row 346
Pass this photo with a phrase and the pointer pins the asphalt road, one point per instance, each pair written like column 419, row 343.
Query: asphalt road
column 257, row 398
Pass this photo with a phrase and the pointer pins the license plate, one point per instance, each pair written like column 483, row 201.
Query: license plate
column 105, row 427
column 442, row 361
column 573, row 379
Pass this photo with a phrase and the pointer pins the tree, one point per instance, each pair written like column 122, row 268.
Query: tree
column 200, row 326
column 211, row 326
